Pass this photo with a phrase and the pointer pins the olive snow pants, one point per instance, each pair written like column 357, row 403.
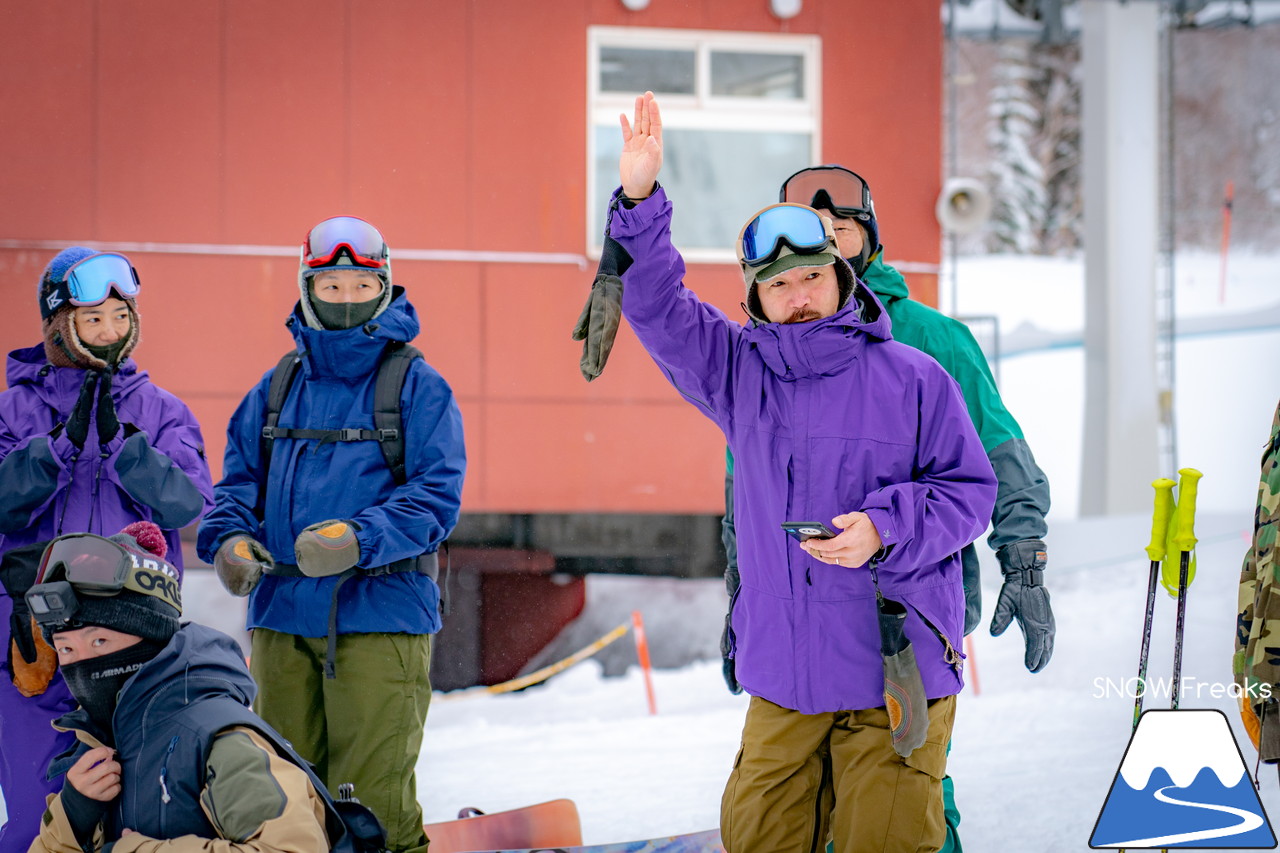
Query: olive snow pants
column 363, row 727
column 798, row 776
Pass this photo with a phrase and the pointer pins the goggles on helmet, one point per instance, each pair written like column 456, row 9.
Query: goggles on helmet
column 91, row 281
column 85, row 564
column 357, row 239
column 794, row 225
column 832, row 188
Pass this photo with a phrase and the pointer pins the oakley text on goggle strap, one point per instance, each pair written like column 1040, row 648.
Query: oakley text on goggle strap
column 833, row 187
column 92, row 280
column 794, row 225
column 359, row 240
column 91, row 565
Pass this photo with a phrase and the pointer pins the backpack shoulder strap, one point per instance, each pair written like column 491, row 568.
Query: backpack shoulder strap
column 387, row 419
column 351, row 826
column 277, row 392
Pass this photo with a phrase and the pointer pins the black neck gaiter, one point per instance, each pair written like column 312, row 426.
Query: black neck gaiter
column 345, row 315
column 96, row 682
column 110, row 353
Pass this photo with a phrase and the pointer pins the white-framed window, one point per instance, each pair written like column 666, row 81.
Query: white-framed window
column 740, row 112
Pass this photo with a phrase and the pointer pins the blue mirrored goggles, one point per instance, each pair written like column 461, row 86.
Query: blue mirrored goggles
column 92, row 280
column 358, row 240
column 794, row 225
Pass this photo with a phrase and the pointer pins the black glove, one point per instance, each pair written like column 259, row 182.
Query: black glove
column 732, row 580
column 108, row 423
column 597, row 325
column 730, row 678
column 1023, row 597
column 78, row 423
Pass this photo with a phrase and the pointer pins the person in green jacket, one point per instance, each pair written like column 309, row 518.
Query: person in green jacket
column 1022, row 497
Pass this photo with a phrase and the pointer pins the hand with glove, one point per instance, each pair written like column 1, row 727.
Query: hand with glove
column 32, row 661
column 108, row 423
column 732, row 580
column 598, row 324
column 327, row 548
column 1023, row 597
column 240, row 562
column 78, row 423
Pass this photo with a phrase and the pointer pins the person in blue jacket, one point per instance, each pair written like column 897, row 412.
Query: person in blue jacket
column 335, row 551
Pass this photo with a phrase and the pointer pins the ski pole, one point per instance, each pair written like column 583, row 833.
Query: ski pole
column 1184, row 537
column 1155, row 552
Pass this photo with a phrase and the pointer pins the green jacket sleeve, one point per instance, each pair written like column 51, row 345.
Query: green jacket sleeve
column 1022, row 496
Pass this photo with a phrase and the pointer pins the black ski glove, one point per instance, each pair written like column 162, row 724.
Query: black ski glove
column 78, row 423
column 727, row 665
column 1023, row 597
column 108, row 422
column 732, row 580
column 597, row 325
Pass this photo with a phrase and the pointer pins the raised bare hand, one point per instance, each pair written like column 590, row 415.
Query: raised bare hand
column 641, row 158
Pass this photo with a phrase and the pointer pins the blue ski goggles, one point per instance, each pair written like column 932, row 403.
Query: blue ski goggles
column 796, row 226
column 345, row 235
column 92, row 280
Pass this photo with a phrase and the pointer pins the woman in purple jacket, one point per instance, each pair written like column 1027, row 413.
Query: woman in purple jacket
column 87, row 444
column 829, row 420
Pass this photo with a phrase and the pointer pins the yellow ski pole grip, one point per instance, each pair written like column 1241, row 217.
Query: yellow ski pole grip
column 1160, row 518
column 1184, row 517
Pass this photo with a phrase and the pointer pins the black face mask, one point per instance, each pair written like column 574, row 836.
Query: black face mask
column 345, row 315
column 96, row 682
column 110, row 353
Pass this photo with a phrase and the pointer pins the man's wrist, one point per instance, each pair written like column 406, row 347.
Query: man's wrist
column 629, row 201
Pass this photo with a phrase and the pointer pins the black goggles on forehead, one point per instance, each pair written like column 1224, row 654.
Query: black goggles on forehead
column 85, row 564
column 833, row 188
column 349, row 235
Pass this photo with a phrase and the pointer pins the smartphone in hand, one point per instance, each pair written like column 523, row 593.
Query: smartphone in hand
column 804, row 530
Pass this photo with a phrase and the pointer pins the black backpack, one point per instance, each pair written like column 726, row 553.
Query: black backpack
column 388, row 426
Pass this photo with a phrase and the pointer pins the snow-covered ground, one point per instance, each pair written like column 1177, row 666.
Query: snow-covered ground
column 1033, row 756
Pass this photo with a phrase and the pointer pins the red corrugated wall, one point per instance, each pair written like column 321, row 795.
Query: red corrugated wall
column 452, row 126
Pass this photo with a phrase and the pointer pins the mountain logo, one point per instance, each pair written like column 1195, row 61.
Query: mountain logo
column 1183, row 783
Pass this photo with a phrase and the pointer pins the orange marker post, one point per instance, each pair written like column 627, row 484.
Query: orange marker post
column 642, row 652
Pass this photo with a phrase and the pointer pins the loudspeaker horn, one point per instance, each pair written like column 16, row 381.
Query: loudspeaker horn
column 963, row 206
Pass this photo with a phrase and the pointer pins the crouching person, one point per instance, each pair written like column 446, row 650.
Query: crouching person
column 169, row 755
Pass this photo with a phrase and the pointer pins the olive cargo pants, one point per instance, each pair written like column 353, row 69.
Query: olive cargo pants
column 798, row 776
column 363, row 727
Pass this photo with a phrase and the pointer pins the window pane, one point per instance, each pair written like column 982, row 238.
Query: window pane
column 758, row 75
column 715, row 179
column 635, row 70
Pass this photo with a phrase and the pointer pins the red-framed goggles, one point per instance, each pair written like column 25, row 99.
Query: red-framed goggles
column 832, row 188
column 86, row 564
column 349, row 235
column 92, row 280
column 794, row 225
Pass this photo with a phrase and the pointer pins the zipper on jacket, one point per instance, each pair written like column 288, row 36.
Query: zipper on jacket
column 164, row 771
column 71, row 478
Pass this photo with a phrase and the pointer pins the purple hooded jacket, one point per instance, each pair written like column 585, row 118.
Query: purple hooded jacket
column 47, row 487
column 823, row 418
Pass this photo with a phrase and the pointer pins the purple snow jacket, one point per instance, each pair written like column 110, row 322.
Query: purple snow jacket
column 47, row 487
column 823, row 418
